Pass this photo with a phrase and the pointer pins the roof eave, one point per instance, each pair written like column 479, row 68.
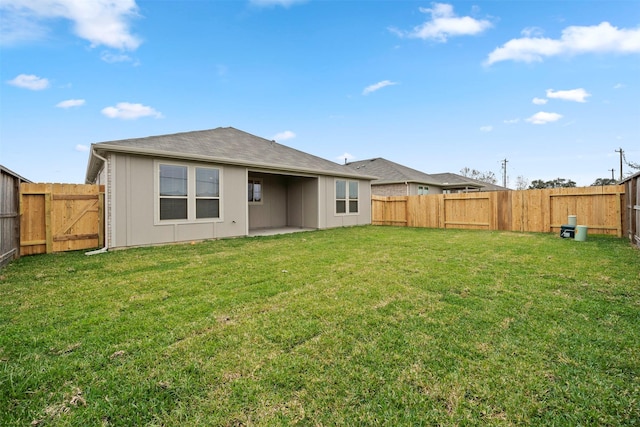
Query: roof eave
column 106, row 147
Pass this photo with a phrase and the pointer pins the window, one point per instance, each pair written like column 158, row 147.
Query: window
column 188, row 193
column 173, row 192
column 346, row 197
column 255, row 190
column 207, row 193
column 422, row 190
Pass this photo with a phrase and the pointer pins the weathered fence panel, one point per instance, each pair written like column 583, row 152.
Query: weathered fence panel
column 631, row 222
column 60, row 217
column 9, row 215
column 599, row 208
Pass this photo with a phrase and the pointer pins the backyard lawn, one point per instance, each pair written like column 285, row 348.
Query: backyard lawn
column 354, row 326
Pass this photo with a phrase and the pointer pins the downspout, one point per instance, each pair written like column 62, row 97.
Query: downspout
column 106, row 192
column 406, row 184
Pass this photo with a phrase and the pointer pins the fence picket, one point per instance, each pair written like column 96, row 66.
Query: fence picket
column 60, row 217
column 599, row 208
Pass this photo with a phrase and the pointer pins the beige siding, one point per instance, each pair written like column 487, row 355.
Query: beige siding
column 409, row 189
column 294, row 201
column 272, row 210
column 133, row 206
column 328, row 216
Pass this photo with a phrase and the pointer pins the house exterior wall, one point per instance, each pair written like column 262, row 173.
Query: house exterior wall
column 386, row 190
column 297, row 201
column 272, row 210
column 328, row 216
column 133, row 201
column 303, row 203
column 408, row 189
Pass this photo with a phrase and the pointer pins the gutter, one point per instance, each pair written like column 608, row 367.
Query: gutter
column 106, row 192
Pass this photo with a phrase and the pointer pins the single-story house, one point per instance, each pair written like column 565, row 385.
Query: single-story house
column 219, row 183
column 394, row 179
column 455, row 183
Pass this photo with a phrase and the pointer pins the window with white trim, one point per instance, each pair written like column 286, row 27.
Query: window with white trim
column 346, row 197
column 207, row 193
column 254, row 191
column 422, row 190
column 173, row 192
column 188, row 193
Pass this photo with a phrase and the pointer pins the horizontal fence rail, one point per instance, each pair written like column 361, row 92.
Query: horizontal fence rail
column 599, row 208
column 60, row 217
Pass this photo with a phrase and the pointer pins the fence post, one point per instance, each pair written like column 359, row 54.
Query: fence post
column 48, row 220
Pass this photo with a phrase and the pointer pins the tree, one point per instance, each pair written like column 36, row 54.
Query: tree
column 537, row 183
column 488, row 177
column 554, row 183
column 604, row 181
column 522, row 183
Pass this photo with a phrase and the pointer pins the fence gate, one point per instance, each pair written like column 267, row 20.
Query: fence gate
column 60, row 217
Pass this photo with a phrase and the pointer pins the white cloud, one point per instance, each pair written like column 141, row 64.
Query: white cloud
column 102, row 22
column 543, row 117
column 70, row 103
column 112, row 58
column 283, row 3
column 444, row 24
column 532, row 32
column 511, row 121
column 486, row 128
column 128, row 111
column 283, row 136
column 539, row 101
column 377, row 86
column 82, row 148
column 602, row 38
column 345, row 158
column 29, row 81
column 619, row 86
column 577, row 95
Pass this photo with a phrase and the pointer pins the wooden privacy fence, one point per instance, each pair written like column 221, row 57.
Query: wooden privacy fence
column 599, row 208
column 632, row 208
column 60, row 217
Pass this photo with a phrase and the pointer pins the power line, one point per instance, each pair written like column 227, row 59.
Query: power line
column 621, row 156
column 504, row 172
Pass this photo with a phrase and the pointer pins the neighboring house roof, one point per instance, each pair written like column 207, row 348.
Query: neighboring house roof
column 389, row 172
column 221, row 145
column 452, row 180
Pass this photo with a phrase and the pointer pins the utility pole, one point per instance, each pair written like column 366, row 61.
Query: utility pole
column 621, row 155
column 504, row 173
column 612, row 171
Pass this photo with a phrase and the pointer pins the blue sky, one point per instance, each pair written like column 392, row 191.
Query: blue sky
column 551, row 86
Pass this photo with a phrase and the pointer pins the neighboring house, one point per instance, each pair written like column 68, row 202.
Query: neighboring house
column 9, row 215
column 397, row 180
column 394, row 179
column 219, row 183
column 455, row 183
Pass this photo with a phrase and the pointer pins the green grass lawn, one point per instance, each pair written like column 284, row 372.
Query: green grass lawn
column 356, row 326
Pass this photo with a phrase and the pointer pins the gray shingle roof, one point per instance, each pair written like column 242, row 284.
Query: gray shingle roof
column 224, row 145
column 389, row 172
column 452, row 179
